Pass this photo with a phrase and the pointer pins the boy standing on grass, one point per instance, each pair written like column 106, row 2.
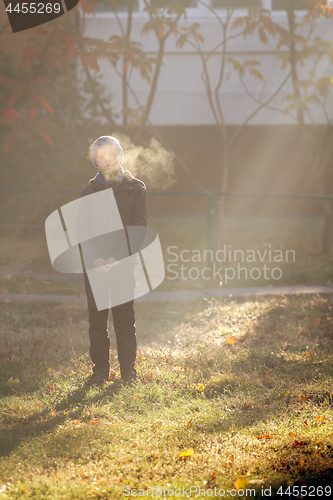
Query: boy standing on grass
column 130, row 196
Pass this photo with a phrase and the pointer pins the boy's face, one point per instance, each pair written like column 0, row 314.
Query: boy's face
column 108, row 161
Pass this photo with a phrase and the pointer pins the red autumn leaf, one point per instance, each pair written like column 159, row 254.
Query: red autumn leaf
column 280, row 43
column 181, row 41
column 86, row 7
column 51, row 387
column 9, row 118
column 13, row 98
column 238, row 22
column 161, row 31
column 299, row 443
column 45, row 104
column 284, row 64
column 200, row 37
column 262, row 35
column 47, row 139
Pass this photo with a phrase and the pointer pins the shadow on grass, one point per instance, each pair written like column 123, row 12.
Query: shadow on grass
column 44, row 422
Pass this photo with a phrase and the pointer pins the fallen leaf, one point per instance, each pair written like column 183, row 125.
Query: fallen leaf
column 12, row 381
column 240, row 483
column 300, row 443
column 187, row 453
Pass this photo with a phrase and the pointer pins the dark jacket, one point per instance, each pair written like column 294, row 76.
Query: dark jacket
column 130, row 196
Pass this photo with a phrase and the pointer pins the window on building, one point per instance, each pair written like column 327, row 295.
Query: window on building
column 299, row 4
column 239, row 4
column 121, row 5
column 184, row 3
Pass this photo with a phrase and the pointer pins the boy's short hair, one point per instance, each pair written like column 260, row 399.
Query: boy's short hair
column 103, row 141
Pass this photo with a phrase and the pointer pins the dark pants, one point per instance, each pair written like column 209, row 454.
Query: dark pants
column 124, row 326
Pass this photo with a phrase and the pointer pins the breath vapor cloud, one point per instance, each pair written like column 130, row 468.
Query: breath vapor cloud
column 153, row 164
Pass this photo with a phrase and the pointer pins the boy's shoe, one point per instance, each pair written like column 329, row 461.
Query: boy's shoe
column 96, row 379
column 129, row 381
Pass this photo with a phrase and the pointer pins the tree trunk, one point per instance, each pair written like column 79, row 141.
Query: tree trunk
column 224, row 183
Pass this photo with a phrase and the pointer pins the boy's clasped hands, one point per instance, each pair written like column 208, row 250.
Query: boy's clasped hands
column 104, row 266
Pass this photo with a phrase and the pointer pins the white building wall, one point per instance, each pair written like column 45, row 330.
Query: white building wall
column 181, row 98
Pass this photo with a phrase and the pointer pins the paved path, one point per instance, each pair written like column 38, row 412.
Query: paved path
column 187, row 294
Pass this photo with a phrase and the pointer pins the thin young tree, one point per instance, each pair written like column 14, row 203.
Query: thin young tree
column 257, row 22
column 312, row 90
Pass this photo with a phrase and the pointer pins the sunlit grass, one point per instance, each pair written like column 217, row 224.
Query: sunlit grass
column 230, row 390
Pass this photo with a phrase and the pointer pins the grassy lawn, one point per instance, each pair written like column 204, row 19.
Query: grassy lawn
column 25, row 265
column 232, row 394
